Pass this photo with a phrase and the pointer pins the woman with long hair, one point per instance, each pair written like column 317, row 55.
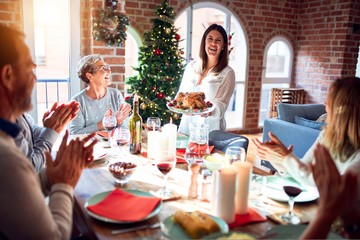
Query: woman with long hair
column 211, row 75
column 341, row 136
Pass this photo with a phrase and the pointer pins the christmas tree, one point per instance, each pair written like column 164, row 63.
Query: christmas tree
column 160, row 67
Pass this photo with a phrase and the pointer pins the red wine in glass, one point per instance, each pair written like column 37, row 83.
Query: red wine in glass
column 109, row 128
column 290, row 217
column 292, row 191
column 121, row 142
column 164, row 168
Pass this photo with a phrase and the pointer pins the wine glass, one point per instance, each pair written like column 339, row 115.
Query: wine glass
column 153, row 123
column 290, row 217
column 109, row 123
column 120, row 138
column 235, row 154
column 165, row 162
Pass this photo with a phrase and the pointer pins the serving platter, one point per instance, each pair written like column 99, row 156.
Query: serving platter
column 190, row 111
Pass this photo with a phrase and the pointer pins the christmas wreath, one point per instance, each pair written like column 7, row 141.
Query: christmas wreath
column 110, row 27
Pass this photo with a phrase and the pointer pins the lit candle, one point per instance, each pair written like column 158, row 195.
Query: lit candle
column 170, row 130
column 244, row 170
column 224, row 200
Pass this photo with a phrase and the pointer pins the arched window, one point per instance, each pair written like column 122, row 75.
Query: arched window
column 192, row 23
column 278, row 59
column 132, row 45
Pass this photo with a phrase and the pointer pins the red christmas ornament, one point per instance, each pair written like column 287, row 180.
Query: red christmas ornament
column 127, row 98
column 177, row 37
column 160, row 95
column 157, row 52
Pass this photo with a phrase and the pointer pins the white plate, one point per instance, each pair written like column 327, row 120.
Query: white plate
column 274, row 190
column 191, row 112
column 174, row 231
column 99, row 197
column 292, row 232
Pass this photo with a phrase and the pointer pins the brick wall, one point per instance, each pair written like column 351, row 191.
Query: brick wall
column 10, row 14
column 326, row 46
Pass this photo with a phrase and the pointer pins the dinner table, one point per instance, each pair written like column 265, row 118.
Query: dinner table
column 97, row 179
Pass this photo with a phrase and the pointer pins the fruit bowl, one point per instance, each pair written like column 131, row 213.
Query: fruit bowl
column 122, row 171
column 214, row 162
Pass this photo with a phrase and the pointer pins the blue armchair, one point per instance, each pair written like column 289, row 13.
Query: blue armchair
column 295, row 125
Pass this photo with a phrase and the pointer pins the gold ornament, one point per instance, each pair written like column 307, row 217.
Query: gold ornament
column 176, row 116
column 143, row 106
column 168, row 30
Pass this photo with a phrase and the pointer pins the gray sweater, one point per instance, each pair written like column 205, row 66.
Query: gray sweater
column 92, row 111
column 33, row 141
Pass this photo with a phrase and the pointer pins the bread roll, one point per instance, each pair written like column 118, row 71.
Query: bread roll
column 196, row 224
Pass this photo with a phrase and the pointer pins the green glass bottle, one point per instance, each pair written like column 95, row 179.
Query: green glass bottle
column 135, row 127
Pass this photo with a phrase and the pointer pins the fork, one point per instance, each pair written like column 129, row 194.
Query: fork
column 147, row 226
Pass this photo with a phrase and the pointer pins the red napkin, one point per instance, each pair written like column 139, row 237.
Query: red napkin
column 251, row 217
column 122, row 206
column 181, row 151
column 103, row 134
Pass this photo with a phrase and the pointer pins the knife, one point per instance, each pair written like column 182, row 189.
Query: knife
column 147, row 226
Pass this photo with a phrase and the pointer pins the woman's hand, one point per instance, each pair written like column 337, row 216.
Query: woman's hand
column 273, row 150
column 123, row 112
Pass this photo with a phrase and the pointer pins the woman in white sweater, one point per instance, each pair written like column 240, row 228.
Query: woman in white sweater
column 211, row 75
column 341, row 137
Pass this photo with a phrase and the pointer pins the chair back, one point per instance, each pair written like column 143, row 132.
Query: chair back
column 222, row 140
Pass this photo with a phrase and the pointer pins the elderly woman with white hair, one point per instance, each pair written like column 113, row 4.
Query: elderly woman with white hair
column 97, row 99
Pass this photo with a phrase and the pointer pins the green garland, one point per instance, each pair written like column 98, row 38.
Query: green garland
column 110, row 27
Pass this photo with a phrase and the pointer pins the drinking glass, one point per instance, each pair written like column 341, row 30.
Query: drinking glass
column 235, row 154
column 153, row 123
column 258, row 186
column 120, row 140
column 290, row 217
column 109, row 123
column 165, row 162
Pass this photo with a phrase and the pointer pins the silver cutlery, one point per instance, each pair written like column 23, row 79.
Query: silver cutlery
column 147, row 226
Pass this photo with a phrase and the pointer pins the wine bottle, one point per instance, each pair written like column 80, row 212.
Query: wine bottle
column 135, row 126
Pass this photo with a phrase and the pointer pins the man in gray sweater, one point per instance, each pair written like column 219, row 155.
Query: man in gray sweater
column 24, row 214
column 34, row 140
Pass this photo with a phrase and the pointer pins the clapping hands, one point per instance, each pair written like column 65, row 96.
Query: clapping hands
column 70, row 160
column 123, row 112
column 60, row 115
column 273, row 150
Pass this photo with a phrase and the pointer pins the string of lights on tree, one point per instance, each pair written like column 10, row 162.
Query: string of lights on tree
column 160, row 69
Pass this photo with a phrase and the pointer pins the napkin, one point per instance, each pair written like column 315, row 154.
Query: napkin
column 181, row 151
column 123, row 206
column 251, row 217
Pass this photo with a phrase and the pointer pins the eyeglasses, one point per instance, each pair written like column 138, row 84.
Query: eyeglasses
column 104, row 68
